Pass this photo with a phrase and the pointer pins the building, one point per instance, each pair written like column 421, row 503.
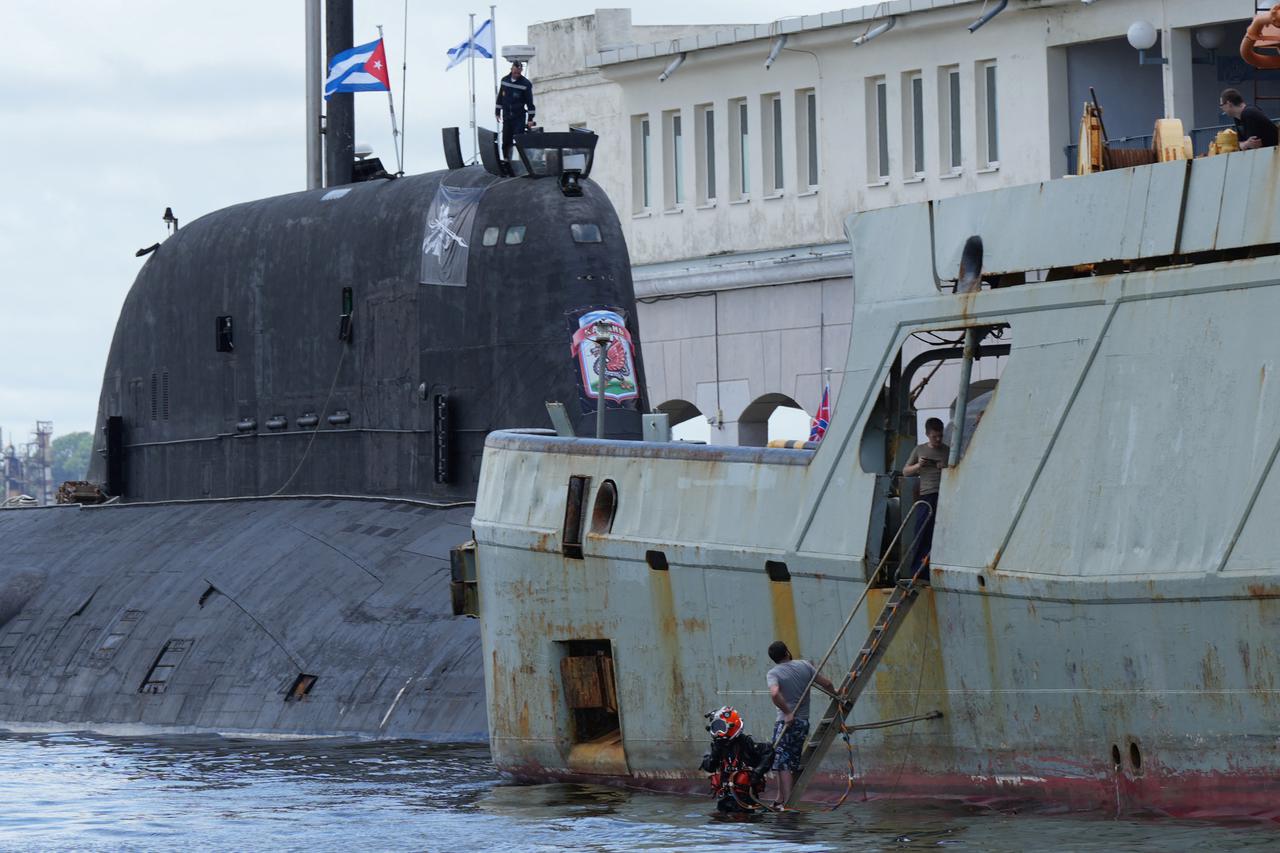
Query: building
column 734, row 153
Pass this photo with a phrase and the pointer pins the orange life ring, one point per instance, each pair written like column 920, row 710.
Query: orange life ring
column 1254, row 35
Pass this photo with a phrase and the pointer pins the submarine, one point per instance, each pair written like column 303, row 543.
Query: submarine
column 290, row 428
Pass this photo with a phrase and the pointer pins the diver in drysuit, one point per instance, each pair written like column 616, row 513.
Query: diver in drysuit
column 737, row 763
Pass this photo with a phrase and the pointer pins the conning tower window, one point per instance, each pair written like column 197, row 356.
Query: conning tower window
column 515, row 235
column 491, row 235
column 585, row 232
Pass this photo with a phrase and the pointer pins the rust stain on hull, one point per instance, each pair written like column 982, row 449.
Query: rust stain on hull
column 784, row 615
column 666, row 626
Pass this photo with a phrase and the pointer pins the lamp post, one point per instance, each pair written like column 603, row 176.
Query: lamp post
column 603, row 337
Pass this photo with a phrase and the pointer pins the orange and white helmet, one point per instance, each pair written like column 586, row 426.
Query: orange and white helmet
column 726, row 723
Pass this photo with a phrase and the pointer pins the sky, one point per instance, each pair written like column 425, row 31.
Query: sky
column 113, row 111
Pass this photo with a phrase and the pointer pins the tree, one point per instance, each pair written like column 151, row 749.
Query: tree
column 71, row 456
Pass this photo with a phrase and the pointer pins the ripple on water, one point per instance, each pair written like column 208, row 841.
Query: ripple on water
column 75, row 791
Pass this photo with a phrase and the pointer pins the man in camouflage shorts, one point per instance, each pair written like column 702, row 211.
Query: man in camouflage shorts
column 787, row 682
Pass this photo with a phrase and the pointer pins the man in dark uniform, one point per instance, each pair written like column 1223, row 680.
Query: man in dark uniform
column 515, row 106
column 1252, row 125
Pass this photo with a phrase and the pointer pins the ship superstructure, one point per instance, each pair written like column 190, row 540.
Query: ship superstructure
column 1104, row 591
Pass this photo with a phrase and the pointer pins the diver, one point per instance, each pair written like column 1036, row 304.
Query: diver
column 737, row 763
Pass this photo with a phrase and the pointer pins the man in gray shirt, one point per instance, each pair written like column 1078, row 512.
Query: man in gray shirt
column 787, row 683
column 927, row 462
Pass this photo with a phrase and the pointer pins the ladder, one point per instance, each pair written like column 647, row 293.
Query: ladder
column 882, row 632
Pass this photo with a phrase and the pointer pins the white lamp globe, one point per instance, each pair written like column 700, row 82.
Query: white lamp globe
column 1210, row 38
column 1141, row 35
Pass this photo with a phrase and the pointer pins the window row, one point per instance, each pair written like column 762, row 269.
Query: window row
column 949, row 122
column 581, row 232
column 737, row 142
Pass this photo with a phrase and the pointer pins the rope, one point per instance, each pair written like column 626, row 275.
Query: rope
column 915, row 710
column 856, row 607
column 337, row 371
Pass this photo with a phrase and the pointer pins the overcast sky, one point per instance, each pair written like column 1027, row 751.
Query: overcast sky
column 113, row 110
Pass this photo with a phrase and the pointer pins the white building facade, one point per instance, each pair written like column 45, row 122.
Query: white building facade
column 733, row 155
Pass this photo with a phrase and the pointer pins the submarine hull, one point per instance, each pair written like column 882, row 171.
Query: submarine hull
column 291, row 616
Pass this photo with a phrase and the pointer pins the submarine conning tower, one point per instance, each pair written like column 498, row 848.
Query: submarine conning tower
column 364, row 339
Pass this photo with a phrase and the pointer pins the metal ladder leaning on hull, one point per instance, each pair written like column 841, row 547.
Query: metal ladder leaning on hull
column 882, row 632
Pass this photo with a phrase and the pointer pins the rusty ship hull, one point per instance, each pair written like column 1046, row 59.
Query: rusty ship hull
column 1098, row 631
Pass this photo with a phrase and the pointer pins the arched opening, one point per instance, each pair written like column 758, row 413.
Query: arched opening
column 687, row 421
column 772, row 416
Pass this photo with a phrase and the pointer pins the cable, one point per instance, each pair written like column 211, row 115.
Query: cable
column 915, row 708
column 323, row 410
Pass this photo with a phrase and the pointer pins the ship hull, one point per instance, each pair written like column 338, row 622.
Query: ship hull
column 1045, row 701
column 284, row 617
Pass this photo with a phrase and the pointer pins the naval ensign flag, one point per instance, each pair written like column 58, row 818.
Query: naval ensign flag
column 360, row 69
column 480, row 45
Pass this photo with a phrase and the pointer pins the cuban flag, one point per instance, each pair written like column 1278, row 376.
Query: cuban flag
column 360, row 69
column 479, row 45
column 818, row 428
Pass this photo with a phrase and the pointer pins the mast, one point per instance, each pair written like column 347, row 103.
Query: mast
column 314, row 66
column 471, row 62
column 340, row 128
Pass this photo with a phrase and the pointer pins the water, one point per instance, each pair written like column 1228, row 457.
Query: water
column 78, row 792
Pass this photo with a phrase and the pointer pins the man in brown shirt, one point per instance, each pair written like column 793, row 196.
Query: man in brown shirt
column 927, row 462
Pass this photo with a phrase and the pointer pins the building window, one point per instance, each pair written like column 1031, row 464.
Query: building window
column 952, row 151
column 771, row 140
column 877, row 130
column 640, row 163
column 807, row 138
column 739, row 149
column 913, row 123
column 988, row 114
column 673, row 159
column 705, row 153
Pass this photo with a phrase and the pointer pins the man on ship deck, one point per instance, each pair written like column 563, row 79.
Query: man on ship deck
column 927, row 462
column 787, row 682
column 1253, row 127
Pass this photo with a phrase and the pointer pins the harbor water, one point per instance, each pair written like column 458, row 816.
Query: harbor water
column 86, row 792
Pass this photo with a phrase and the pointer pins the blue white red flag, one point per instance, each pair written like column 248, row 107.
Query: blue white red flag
column 818, row 428
column 360, row 69
column 480, row 45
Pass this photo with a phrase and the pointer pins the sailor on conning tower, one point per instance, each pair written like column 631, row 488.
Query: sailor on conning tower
column 514, row 107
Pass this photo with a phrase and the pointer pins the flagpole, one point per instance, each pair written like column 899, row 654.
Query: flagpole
column 475, row 139
column 404, row 75
column 391, row 105
column 493, row 30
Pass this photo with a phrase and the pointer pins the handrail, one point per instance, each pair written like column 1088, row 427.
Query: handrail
column 1195, row 133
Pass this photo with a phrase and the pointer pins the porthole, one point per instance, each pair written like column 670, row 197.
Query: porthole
column 491, row 236
column 585, row 232
column 515, row 235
